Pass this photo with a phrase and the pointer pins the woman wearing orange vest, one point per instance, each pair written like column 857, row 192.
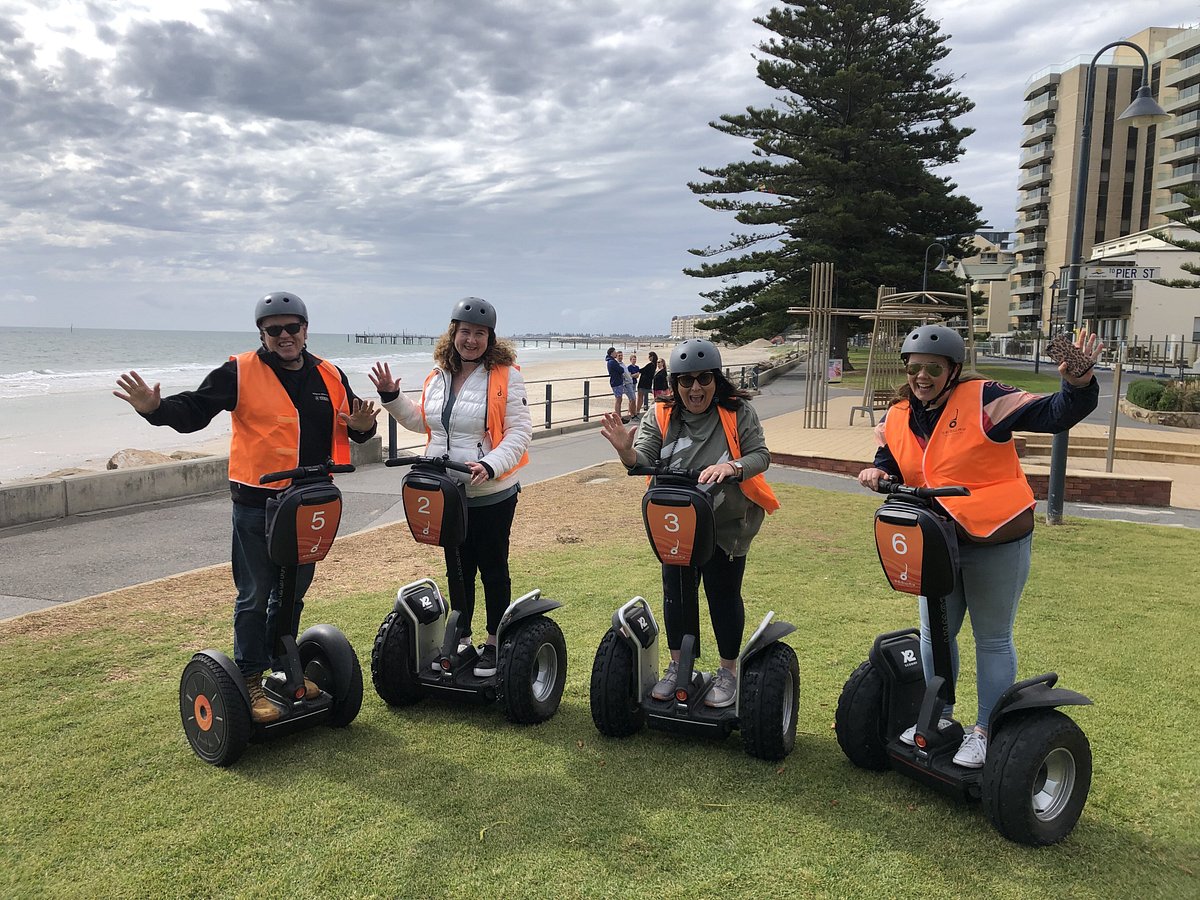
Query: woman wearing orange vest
column 707, row 425
column 949, row 429
column 288, row 408
column 473, row 407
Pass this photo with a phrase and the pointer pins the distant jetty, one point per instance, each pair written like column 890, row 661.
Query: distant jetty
column 534, row 340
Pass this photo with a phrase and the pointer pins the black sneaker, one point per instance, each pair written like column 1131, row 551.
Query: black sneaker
column 485, row 666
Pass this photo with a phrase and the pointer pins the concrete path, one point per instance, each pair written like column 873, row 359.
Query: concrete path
column 69, row 559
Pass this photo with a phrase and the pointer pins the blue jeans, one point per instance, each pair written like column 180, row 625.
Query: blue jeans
column 257, row 582
column 990, row 580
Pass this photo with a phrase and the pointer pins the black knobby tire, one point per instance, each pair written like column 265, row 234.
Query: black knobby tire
column 531, row 670
column 1037, row 776
column 615, row 707
column 858, row 721
column 341, row 680
column 392, row 663
column 770, row 700
column 216, row 720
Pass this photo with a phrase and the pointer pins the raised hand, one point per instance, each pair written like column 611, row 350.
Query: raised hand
column 362, row 415
column 138, row 394
column 615, row 432
column 381, row 377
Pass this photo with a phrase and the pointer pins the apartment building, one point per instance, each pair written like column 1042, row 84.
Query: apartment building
column 684, row 327
column 1129, row 179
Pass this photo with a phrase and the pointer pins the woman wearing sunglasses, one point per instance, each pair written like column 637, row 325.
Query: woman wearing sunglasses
column 947, row 428
column 474, row 408
column 709, row 426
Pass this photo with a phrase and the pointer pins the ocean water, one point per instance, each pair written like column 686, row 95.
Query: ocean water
column 56, row 404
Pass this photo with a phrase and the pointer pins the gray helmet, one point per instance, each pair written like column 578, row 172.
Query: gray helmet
column 694, row 355
column 475, row 311
column 280, row 303
column 936, row 340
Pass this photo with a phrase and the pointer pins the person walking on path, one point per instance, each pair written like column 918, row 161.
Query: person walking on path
column 473, row 407
column 288, row 409
column 946, row 428
column 645, row 381
column 709, row 426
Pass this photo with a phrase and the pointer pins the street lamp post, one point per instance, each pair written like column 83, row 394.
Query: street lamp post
column 1143, row 111
column 940, row 267
column 1037, row 335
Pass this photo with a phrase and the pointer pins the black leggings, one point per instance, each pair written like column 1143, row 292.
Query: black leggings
column 722, row 576
column 484, row 551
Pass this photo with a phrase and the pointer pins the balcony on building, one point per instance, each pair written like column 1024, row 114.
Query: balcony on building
column 1026, row 286
column 1033, row 220
column 1174, row 202
column 1037, row 131
column 1042, row 82
column 1180, row 175
column 1044, row 106
column 1185, row 149
column 1181, row 126
column 1031, row 178
column 1026, row 264
column 1037, row 154
column 1034, row 198
column 1187, row 71
column 1030, row 243
column 1187, row 99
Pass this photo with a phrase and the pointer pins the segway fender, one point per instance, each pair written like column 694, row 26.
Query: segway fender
column 531, row 604
column 767, row 633
column 337, row 649
column 1035, row 693
column 231, row 670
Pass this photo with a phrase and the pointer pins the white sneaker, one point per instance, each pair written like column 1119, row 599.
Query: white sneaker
column 972, row 751
column 909, row 735
column 724, row 689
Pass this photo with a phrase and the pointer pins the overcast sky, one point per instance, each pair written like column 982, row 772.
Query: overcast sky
column 162, row 164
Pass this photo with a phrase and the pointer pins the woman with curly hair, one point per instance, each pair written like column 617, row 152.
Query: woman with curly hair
column 474, row 408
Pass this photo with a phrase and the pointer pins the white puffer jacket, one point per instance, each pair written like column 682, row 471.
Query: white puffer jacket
column 468, row 440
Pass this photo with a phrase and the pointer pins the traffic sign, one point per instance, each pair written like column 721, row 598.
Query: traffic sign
column 1120, row 273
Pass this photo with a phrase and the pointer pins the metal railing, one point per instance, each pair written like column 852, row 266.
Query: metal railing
column 561, row 403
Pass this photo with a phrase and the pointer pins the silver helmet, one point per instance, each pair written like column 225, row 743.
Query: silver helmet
column 280, row 303
column 475, row 311
column 694, row 355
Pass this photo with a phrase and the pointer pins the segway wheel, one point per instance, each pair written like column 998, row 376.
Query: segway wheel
column 215, row 717
column 392, row 670
column 616, row 709
column 531, row 670
column 330, row 662
column 858, row 721
column 1037, row 776
column 770, row 699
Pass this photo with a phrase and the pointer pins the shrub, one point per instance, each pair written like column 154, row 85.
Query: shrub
column 1179, row 396
column 1145, row 393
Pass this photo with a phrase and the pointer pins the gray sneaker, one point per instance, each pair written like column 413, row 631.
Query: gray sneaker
column 724, row 689
column 909, row 735
column 665, row 689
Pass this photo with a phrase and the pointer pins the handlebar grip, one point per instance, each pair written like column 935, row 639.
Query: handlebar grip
column 323, row 470
column 280, row 476
column 656, row 472
column 441, row 462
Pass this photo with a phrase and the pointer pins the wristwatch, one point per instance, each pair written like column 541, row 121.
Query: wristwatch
column 740, row 470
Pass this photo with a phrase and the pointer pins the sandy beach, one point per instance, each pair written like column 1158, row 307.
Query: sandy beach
column 124, row 429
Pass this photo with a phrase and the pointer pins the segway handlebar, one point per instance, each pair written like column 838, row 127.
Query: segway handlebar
column 322, row 470
column 690, row 476
column 890, row 486
column 441, row 462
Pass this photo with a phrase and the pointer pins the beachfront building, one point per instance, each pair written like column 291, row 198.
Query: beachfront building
column 1130, row 170
column 684, row 327
column 986, row 273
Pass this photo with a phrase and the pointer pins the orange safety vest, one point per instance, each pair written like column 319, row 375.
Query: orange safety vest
column 266, row 424
column 755, row 488
column 497, row 408
column 960, row 452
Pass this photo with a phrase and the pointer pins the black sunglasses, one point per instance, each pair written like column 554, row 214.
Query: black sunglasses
column 935, row 370
column 277, row 330
column 686, row 381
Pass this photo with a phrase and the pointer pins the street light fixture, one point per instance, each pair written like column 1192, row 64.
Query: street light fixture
column 1143, row 111
column 942, row 266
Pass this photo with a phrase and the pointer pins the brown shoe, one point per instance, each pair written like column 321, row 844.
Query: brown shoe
column 262, row 710
column 311, row 691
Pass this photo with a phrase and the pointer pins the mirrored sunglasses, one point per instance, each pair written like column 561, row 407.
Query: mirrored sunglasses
column 277, row 330
column 686, row 381
column 934, row 369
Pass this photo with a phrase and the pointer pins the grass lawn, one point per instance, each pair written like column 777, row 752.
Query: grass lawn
column 103, row 797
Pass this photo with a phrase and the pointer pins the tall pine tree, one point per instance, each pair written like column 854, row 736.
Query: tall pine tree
column 841, row 167
column 1189, row 218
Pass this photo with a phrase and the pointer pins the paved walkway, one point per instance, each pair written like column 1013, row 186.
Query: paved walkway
column 70, row 559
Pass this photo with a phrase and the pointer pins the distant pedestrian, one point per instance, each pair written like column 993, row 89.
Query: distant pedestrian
column 662, row 390
column 616, row 379
column 645, row 383
column 627, row 386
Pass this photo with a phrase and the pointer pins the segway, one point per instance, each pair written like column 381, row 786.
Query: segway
column 214, row 704
column 416, row 651
column 679, row 521
column 1038, row 769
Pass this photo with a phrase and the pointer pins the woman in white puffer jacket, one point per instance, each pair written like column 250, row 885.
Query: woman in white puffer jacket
column 473, row 368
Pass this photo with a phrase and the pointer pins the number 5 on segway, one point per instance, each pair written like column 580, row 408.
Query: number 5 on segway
column 417, row 648
column 214, row 702
column 680, row 524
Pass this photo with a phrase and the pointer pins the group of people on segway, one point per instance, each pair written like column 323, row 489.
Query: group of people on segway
column 291, row 410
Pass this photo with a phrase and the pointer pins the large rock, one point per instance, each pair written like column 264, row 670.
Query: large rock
column 133, row 459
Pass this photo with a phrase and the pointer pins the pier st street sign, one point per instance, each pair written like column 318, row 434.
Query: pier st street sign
column 1120, row 273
